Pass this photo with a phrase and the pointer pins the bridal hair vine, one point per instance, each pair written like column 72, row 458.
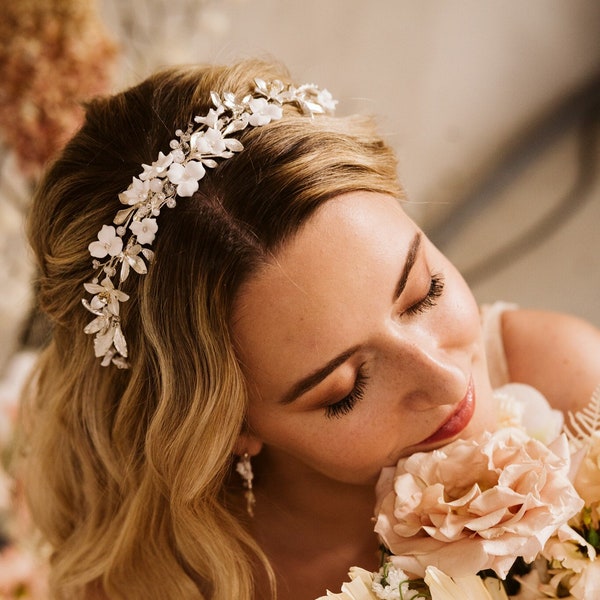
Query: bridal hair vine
column 123, row 246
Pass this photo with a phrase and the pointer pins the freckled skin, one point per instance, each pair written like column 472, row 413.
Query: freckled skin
column 332, row 288
column 329, row 289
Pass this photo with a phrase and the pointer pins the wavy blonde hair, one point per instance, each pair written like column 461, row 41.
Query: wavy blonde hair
column 127, row 470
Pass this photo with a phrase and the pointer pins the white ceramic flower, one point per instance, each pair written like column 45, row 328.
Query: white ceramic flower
column 105, row 296
column 109, row 243
column 100, row 324
column 144, row 230
column 158, row 168
column 212, row 142
column 314, row 101
column 136, row 193
column 263, row 112
column 475, row 504
column 186, row 177
column 177, row 173
column 325, row 99
column 106, row 340
column 133, row 260
column 275, row 90
column 212, row 117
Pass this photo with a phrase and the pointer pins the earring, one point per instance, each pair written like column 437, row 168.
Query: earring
column 244, row 468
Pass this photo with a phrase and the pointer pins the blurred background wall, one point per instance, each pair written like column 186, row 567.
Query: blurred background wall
column 492, row 107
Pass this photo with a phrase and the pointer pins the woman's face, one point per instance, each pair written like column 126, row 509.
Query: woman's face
column 361, row 344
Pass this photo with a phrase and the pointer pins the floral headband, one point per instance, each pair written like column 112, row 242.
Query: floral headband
column 173, row 175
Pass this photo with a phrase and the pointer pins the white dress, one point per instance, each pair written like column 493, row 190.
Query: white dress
column 517, row 404
column 491, row 322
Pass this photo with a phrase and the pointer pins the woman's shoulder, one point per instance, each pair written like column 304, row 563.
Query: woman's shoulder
column 556, row 353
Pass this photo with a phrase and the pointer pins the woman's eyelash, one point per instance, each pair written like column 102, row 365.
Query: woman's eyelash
column 346, row 404
column 436, row 289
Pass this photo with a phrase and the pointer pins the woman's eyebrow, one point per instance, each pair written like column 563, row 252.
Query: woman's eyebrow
column 411, row 258
column 313, row 379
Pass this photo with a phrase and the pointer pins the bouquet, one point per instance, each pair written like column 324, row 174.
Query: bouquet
column 514, row 513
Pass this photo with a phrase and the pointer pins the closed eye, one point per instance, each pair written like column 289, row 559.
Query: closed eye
column 436, row 289
column 346, row 404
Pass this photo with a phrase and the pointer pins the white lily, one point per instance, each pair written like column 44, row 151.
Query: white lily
column 471, row 587
column 388, row 583
column 359, row 588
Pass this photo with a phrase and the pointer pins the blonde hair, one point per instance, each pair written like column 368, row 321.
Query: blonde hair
column 127, row 470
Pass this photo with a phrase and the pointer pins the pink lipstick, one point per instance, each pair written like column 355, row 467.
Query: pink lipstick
column 457, row 421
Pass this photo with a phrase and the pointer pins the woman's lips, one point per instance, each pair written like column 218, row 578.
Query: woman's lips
column 459, row 419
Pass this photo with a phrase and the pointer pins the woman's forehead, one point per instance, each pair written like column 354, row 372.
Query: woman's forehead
column 310, row 301
column 345, row 239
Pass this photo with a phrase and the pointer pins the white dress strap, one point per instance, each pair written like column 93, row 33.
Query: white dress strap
column 491, row 323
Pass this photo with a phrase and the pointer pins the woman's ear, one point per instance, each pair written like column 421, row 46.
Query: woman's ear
column 247, row 443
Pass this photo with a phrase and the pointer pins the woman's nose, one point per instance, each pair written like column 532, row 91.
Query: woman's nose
column 430, row 375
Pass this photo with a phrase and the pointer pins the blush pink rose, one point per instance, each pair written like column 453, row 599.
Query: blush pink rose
column 476, row 504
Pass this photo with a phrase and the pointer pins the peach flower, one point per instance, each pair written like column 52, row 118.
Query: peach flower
column 587, row 584
column 587, row 480
column 476, row 504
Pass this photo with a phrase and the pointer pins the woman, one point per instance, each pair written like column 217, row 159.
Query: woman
column 292, row 321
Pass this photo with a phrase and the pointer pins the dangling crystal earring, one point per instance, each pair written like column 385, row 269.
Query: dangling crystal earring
column 244, row 468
